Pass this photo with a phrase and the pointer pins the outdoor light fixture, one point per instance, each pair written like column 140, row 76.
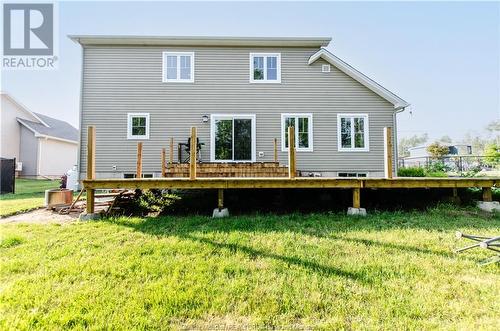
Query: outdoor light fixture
column 204, row 118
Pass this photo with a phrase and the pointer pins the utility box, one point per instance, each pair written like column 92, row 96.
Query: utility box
column 7, row 175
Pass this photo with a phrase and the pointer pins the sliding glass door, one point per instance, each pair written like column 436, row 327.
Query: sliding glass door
column 233, row 138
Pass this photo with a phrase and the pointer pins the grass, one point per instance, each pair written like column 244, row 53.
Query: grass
column 30, row 194
column 390, row 270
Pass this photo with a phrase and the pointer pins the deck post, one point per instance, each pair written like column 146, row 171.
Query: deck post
column 356, row 198
column 275, row 150
column 388, row 152
column 171, row 156
column 220, row 199
column 487, row 196
column 192, row 154
column 138, row 173
column 90, row 166
column 356, row 203
column 163, row 156
column 291, row 153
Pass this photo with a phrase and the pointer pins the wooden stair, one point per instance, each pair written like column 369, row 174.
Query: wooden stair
column 256, row 169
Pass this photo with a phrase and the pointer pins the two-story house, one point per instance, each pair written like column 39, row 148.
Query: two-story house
column 240, row 93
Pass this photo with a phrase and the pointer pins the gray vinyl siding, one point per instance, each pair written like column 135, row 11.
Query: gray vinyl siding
column 28, row 153
column 121, row 80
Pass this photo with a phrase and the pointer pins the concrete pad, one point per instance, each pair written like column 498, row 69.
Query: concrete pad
column 489, row 206
column 220, row 213
column 89, row 217
column 356, row 211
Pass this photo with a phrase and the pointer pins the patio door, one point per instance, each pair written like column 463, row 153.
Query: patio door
column 232, row 138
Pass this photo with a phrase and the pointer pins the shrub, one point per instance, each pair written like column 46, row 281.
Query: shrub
column 147, row 201
column 411, row 172
column 436, row 150
column 492, row 153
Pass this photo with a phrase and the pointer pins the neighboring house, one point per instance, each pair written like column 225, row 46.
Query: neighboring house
column 241, row 94
column 419, row 156
column 43, row 146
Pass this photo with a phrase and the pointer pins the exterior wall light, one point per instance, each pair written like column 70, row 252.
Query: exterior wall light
column 204, row 118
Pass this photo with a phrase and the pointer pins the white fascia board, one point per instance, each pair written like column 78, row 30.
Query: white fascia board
column 201, row 41
column 398, row 103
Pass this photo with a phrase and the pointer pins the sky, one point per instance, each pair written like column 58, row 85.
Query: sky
column 441, row 57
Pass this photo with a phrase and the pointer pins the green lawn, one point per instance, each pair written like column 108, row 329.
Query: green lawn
column 30, row 194
column 327, row 271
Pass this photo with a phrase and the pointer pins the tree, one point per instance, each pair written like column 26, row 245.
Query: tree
column 437, row 151
column 492, row 153
column 405, row 144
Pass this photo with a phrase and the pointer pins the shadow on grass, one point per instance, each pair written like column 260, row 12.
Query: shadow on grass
column 292, row 260
column 443, row 220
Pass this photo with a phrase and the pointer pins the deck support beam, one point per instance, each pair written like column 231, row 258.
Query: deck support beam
column 138, row 172
column 90, row 167
column 192, row 154
column 388, row 152
column 291, row 153
column 220, row 198
column 487, row 196
column 220, row 211
column 356, row 198
column 163, row 160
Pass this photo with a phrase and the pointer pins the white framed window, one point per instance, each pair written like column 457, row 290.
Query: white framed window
column 178, row 67
column 352, row 174
column 232, row 138
column 137, row 126
column 265, row 68
column 325, row 68
column 303, row 124
column 353, row 133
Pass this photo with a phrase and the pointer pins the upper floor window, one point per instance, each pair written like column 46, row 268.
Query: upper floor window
column 303, row 131
column 352, row 132
column 137, row 126
column 265, row 68
column 178, row 67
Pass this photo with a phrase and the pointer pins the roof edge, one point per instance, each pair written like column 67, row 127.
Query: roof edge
column 23, row 107
column 357, row 75
column 41, row 135
column 200, row 40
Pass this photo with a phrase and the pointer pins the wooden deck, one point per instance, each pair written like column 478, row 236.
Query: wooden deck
column 268, row 175
column 298, row 182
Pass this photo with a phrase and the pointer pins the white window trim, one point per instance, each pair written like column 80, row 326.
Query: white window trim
column 367, row 133
column 311, row 133
column 129, row 126
column 213, row 117
column 178, row 79
column 265, row 80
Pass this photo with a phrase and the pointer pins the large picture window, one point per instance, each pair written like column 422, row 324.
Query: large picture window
column 352, row 132
column 265, row 67
column 137, row 126
column 178, row 67
column 303, row 131
column 233, row 138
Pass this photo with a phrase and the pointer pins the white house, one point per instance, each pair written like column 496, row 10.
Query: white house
column 42, row 146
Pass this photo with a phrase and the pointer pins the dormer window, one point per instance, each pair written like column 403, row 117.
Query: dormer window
column 265, row 68
column 178, row 67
